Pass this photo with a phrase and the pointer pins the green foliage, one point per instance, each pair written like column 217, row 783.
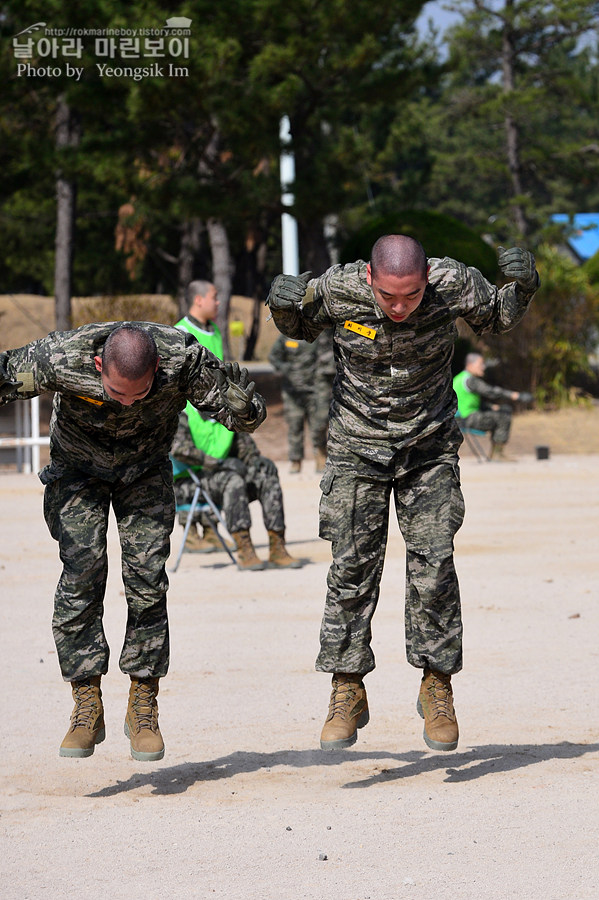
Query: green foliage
column 561, row 328
column 440, row 236
column 591, row 269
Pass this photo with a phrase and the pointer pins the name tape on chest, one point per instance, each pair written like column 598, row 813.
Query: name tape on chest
column 90, row 400
column 363, row 330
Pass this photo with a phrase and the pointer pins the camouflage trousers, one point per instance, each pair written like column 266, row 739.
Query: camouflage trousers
column 354, row 515
column 233, row 494
column 497, row 421
column 76, row 508
column 299, row 408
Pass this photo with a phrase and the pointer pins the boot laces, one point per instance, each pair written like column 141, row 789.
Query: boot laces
column 144, row 706
column 85, row 704
column 439, row 691
column 342, row 696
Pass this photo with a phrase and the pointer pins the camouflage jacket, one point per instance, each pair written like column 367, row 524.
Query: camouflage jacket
column 394, row 382
column 296, row 362
column 99, row 436
column 244, row 447
column 490, row 392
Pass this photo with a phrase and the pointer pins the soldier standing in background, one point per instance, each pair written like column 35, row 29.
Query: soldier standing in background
column 295, row 360
column 392, row 430
column 323, row 391
column 119, row 388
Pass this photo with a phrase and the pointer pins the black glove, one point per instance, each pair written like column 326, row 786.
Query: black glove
column 7, row 385
column 267, row 465
column 232, row 464
column 233, row 385
column 525, row 397
column 288, row 291
column 519, row 265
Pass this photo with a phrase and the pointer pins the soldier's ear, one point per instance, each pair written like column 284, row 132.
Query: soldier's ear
column 98, row 363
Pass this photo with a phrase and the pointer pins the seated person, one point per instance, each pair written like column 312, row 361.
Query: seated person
column 234, row 474
column 480, row 406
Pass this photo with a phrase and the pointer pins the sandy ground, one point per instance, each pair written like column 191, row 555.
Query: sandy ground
column 244, row 805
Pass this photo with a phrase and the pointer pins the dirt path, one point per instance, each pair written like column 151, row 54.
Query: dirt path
column 243, row 804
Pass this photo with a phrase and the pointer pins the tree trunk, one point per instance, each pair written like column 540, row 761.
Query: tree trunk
column 260, row 267
column 67, row 135
column 190, row 245
column 222, row 268
column 511, row 129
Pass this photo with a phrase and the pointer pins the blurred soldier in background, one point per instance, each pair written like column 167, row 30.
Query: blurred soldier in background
column 234, row 473
column 480, row 404
column 323, row 391
column 296, row 361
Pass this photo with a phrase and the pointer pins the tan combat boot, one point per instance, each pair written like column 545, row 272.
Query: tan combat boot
column 246, row 555
column 435, row 705
column 141, row 720
column 87, row 719
column 295, row 466
column 348, row 711
column 498, row 454
column 320, row 460
column 208, row 543
column 278, row 558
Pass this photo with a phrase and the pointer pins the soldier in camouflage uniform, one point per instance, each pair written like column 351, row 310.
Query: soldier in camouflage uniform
column 234, row 472
column 118, row 391
column 484, row 406
column 323, row 390
column 233, row 482
column 392, row 431
column 296, row 362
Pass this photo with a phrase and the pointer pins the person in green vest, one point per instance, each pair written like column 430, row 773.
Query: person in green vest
column 234, row 472
column 484, row 406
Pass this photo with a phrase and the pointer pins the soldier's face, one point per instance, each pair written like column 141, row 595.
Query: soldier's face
column 397, row 296
column 122, row 389
column 205, row 308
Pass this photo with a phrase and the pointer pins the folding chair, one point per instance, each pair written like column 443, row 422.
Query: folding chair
column 472, row 436
column 206, row 504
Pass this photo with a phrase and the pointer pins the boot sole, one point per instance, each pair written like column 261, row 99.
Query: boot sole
column 138, row 754
column 434, row 745
column 80, row 752
column 342, row 743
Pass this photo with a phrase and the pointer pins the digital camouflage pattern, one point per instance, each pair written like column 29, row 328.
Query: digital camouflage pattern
column 231, row 491
column 104, row 453
column 97, row 434
column 392, row 429
column 429, row 506
column 397, row 388
column 76, row 508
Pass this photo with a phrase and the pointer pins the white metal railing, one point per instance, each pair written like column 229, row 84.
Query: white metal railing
column 30, row 439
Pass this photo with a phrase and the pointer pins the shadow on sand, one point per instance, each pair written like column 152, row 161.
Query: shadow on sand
column 466, row 766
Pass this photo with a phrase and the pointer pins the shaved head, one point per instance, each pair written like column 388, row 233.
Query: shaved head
column 130, row 351
column 399, row 255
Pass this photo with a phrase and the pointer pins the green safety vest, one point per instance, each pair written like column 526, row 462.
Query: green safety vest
column 209, row 436
column 468, row 401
